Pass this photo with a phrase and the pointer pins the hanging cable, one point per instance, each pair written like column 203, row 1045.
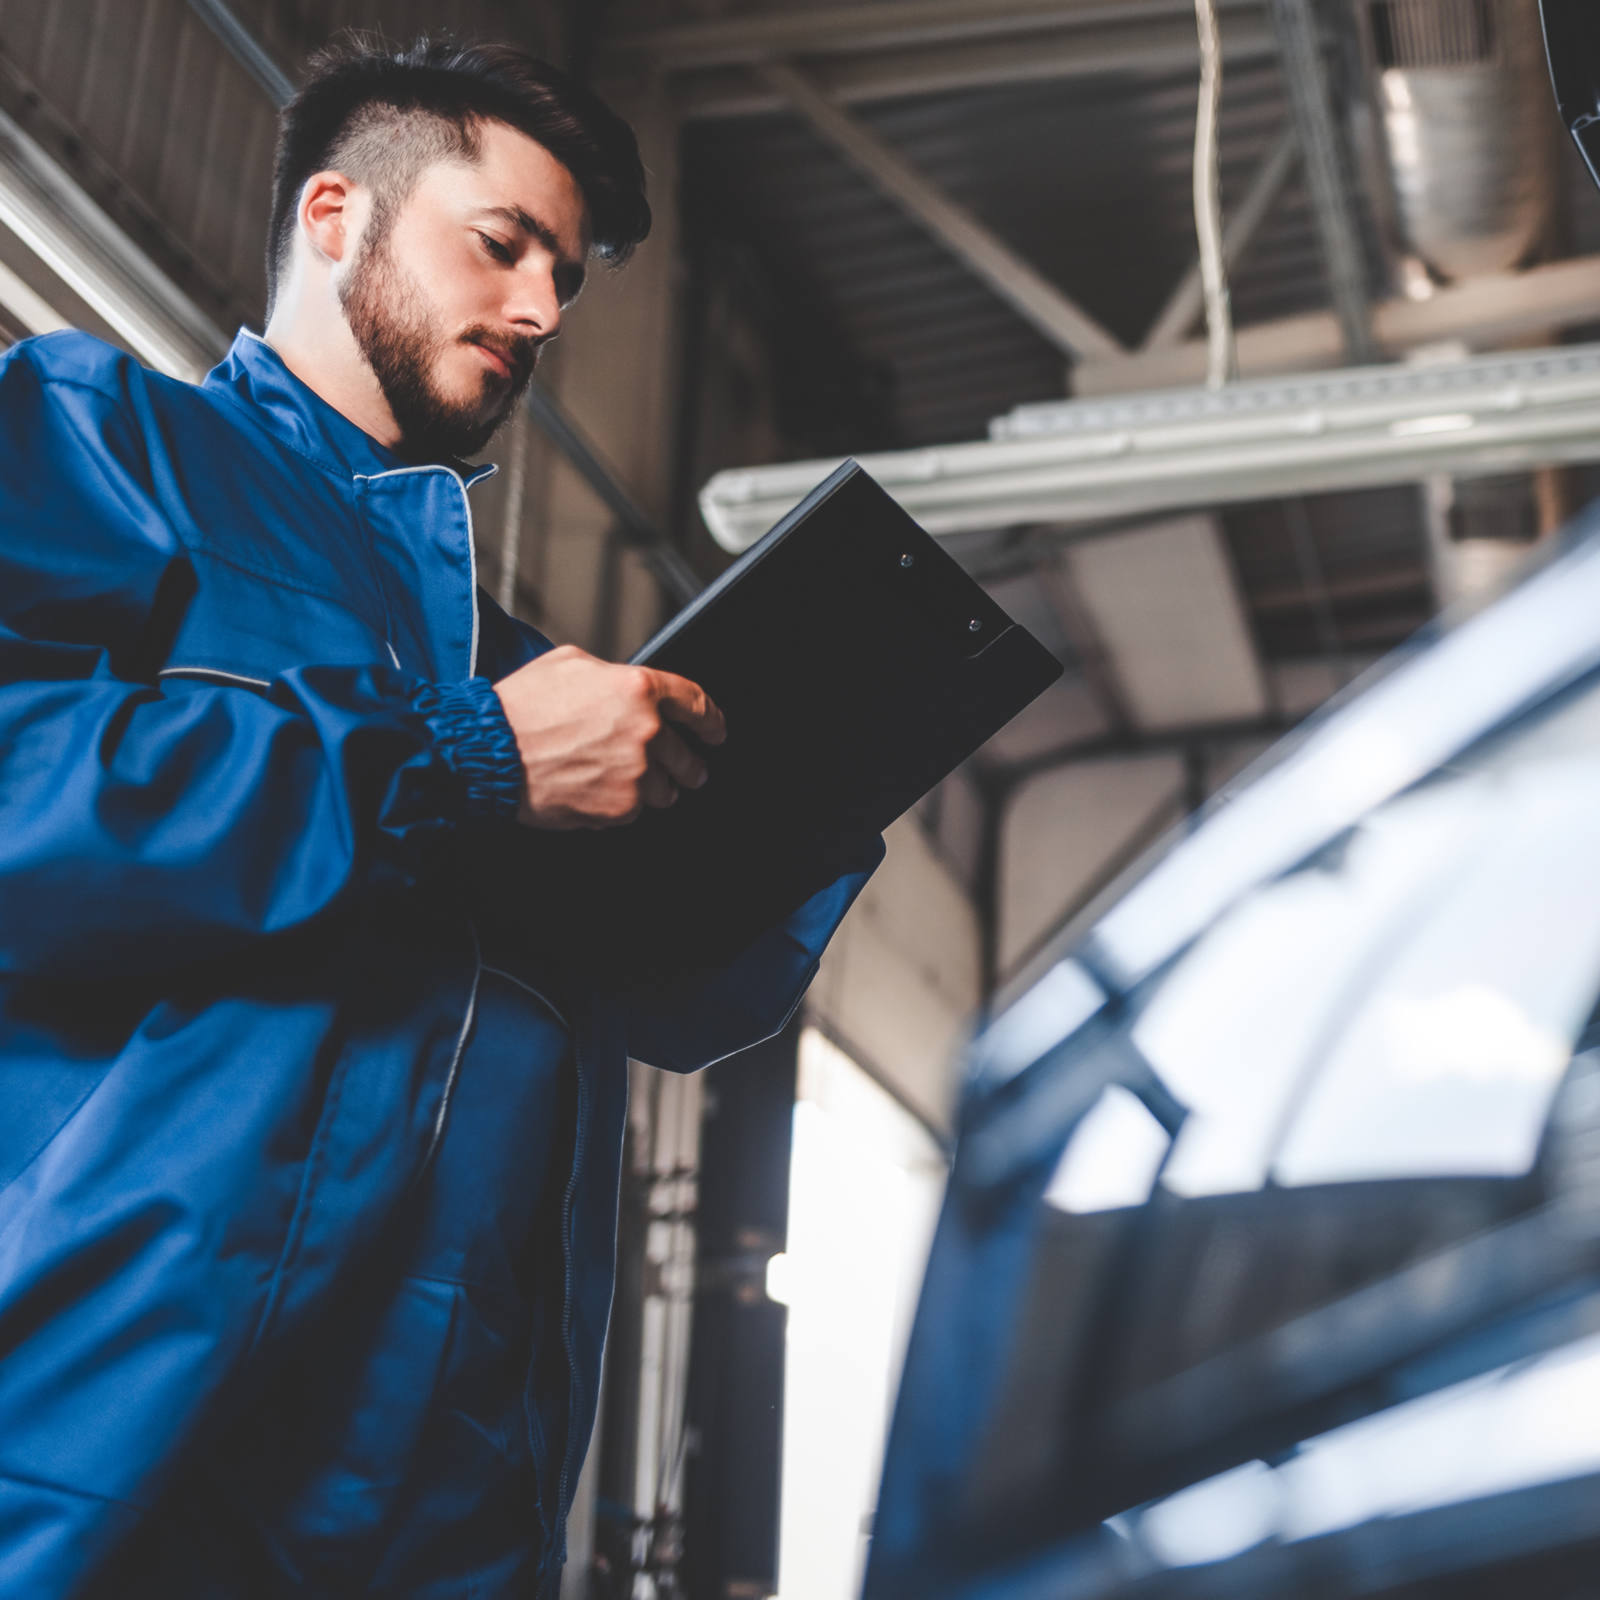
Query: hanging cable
column 1208, row 202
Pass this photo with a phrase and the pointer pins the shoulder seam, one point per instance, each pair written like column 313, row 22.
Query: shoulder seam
column 26, row 351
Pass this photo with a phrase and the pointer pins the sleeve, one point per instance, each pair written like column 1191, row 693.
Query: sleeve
column 505, row 642
column 143, row 826
column 756, row 993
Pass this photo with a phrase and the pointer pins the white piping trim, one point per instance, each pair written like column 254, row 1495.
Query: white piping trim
column 392, row 656
column 472, row 575
column 472, row 553
column 461, row 1045
column 216, row 673
column 549, row 1004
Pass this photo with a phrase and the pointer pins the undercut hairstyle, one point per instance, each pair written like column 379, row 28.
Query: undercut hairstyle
column 382, row 118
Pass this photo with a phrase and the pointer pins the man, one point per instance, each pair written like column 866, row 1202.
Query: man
column 312, row 1121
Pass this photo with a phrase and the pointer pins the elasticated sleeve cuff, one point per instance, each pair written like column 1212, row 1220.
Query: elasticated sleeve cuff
column 471, row 732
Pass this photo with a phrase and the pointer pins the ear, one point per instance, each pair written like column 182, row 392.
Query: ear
column 329, row 214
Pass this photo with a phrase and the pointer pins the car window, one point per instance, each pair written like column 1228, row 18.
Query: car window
column 1323, row 1154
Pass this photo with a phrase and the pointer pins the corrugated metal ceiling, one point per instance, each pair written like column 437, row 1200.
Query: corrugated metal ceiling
column 139, row 100
column 1089, row 181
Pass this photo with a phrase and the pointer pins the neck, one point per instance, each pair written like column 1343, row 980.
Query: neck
column 312, row 337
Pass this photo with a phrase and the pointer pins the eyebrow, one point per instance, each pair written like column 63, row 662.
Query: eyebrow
column 570, row 273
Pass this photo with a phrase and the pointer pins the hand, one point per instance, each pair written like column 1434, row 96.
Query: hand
column 595, row 739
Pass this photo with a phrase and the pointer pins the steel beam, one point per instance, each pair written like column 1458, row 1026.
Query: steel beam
column 877, row 26
column 1026, row 291
column 1332, row 201
column 27, row 305
column 1112, row 46
column 1483, row 312
column 247, row 50
column 1178, row 315
column 42, row 204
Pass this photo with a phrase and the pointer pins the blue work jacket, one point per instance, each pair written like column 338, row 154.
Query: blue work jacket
column 310, row 1130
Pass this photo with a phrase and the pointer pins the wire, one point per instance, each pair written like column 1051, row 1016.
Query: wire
column 1208, row 202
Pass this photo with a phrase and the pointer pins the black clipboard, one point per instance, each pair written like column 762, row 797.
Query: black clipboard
column 857, row 665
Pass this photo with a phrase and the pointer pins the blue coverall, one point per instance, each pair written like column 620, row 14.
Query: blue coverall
column 310, row 1134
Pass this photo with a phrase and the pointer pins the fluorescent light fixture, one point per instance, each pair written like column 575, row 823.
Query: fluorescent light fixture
column 1129, row 455
column 1418, row 427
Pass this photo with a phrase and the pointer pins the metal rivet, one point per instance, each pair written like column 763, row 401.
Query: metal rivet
column 974, row 626
column 906, row 561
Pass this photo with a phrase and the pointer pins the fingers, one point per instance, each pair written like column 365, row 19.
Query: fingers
column 656, row 789
column 602, row 742
column 686, row 702
column 679, row 762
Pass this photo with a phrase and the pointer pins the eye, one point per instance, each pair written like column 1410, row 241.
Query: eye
column 499, row 251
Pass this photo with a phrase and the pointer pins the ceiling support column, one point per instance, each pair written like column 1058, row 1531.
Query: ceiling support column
column 1332, row 202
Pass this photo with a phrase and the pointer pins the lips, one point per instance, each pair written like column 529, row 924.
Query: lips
column 499, row 363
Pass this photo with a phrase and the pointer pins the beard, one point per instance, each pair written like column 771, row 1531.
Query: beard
column 396, row 328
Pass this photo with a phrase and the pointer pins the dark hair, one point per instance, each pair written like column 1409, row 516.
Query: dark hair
column 359, row 103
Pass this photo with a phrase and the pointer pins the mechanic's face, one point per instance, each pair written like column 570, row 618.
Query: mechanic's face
column 451, row 301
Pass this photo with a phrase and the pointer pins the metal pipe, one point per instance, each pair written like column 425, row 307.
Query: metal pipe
column 677, row 577
column 511, row 528
column 247, row 50
column 1315, row 584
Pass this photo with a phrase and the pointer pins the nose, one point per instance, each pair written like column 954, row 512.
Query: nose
column 535, row 306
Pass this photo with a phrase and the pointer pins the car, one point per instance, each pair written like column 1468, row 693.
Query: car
column 1270, row 1260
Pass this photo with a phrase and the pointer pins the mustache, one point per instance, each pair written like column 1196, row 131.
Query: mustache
column 520, row 352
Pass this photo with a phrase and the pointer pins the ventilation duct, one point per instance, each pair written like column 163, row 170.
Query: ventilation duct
column 1468, row 130
column 1433, row 33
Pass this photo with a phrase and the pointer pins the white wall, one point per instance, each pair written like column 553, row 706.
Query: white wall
column 864, row 1189
column 904, row 973
column 1066, row 830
